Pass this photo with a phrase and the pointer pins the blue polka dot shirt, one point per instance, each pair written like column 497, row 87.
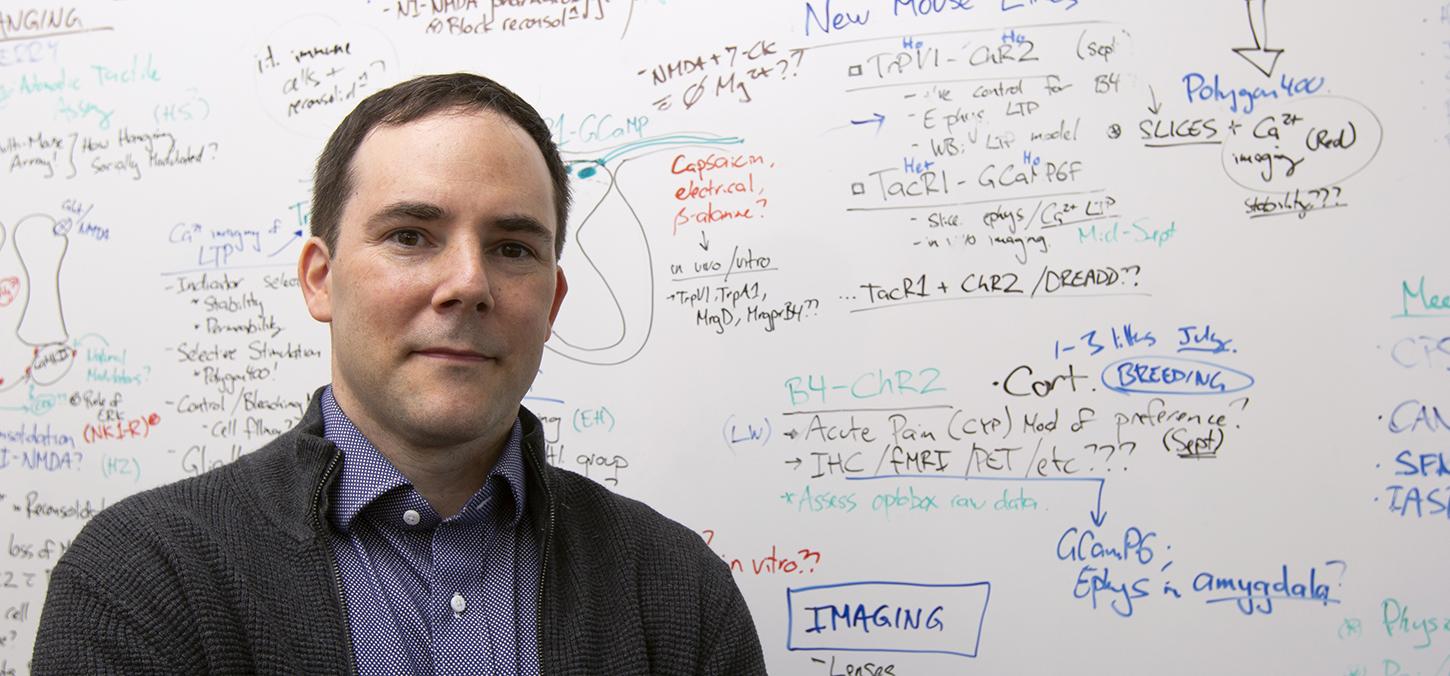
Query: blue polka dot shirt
column 427, row 594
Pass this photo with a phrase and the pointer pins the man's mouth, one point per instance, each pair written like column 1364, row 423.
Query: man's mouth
column 452, row 354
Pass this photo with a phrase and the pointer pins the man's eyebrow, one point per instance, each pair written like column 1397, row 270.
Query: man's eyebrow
column 525, row 225
column 408, row 210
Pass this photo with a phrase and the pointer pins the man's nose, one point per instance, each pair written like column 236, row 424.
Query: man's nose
column 463, row 278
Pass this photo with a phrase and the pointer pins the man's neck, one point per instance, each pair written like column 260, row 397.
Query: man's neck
column 446, row 476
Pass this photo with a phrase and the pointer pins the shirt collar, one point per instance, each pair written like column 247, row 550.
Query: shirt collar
column 367, row 475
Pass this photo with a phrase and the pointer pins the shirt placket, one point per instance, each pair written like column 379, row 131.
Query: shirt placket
column 413, row 530
column 459, row 604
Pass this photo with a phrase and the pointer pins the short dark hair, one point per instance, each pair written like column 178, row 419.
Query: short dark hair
column 412, row 100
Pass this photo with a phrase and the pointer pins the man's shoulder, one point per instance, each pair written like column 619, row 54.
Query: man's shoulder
column 626, row 520
column 610, row 535
column 634, row 576
column 226, row 502
column 180, row 573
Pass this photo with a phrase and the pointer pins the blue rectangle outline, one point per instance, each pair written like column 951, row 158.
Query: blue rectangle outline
column 981, row 622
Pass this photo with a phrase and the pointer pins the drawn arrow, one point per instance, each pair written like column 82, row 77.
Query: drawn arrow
column 876, row 118
column 704, row 243
column 296, row 235
column 796, row 462
column 1097, row 513
column 1260, row 55
column 1156, row 105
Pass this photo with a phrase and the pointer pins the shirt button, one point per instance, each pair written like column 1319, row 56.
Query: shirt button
column 459, row 603
column 411, row 517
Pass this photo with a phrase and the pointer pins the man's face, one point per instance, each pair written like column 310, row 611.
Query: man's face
column 443, row 285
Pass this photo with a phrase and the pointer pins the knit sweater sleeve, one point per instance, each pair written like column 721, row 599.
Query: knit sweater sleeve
column 730, row 644
column 83, row 630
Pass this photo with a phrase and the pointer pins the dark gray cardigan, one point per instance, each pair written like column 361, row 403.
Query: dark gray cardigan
column 232, row 572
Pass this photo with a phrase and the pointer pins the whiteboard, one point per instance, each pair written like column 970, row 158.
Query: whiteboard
column 977, row 336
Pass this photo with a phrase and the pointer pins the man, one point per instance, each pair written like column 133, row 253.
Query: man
column 409, row 523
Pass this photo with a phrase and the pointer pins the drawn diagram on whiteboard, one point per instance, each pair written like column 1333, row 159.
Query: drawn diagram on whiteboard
column 611, row 297
column 1263, row 57
column 33, row 336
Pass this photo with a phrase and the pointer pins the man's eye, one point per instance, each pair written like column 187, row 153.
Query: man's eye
column 514, row 250
column 407, row 237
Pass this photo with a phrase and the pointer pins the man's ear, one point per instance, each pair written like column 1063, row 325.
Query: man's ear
column 314, row 275
column 561, row 287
